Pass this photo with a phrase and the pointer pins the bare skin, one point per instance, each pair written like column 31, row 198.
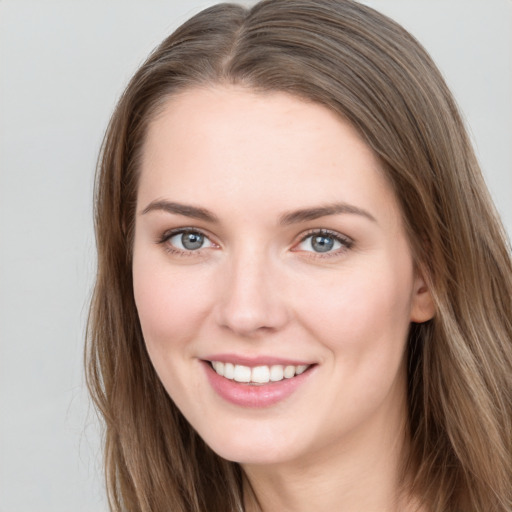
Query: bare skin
column 266, row 231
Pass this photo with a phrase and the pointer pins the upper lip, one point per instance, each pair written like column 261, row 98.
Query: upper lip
column 252, row 361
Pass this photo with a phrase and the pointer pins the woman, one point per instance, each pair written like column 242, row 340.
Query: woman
column 303, row 295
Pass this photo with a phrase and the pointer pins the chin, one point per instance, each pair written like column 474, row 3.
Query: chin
column 248, row 447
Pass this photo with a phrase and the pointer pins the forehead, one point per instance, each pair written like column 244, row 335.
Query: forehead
column 257, row 148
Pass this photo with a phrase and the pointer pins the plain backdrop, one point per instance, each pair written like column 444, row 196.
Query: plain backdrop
column 63, row 64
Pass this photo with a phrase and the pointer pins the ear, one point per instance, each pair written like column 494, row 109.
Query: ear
column 422, row 306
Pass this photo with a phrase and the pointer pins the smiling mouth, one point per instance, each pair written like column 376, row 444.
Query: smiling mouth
column 257, row 375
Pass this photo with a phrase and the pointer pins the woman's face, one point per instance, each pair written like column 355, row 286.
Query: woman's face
column 269, row 245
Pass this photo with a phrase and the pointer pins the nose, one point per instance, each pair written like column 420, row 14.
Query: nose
column 251, row 302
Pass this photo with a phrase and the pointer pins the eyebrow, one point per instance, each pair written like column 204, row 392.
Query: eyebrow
column 293, row 217
column 181, row 209
column 307, row 214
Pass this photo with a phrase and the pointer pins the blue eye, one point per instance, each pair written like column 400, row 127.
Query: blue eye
column 189, row 241
column 323, row 242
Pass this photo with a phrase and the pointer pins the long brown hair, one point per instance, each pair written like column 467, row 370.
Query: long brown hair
column 374, row 74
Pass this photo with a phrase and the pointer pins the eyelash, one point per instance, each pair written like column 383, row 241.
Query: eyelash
column 346, row 242
column 181, row 231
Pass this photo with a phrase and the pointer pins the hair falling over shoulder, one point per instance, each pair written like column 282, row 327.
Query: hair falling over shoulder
column 370, row 71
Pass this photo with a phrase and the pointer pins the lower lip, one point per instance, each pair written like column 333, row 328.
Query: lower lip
column 261, row 395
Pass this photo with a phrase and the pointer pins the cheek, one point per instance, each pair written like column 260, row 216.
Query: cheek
column 362, row 310
column 362, row 320
column 170, row 305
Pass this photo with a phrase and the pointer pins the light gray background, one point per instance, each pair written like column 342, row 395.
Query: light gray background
column 63, row 64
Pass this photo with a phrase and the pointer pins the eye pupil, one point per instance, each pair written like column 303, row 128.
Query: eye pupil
column 192, row 241
column 322, row 243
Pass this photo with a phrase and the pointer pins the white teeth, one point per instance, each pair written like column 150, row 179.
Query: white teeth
column 242, row 373
column 289, row 372
column 276, row 373
column 229, row 371
column 257, row 374
column 260, row 374
column 301, row 369
column 219, row 367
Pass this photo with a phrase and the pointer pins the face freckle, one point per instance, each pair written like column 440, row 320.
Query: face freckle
column 267, row 236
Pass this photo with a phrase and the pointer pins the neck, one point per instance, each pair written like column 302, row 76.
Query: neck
column 362, row 473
